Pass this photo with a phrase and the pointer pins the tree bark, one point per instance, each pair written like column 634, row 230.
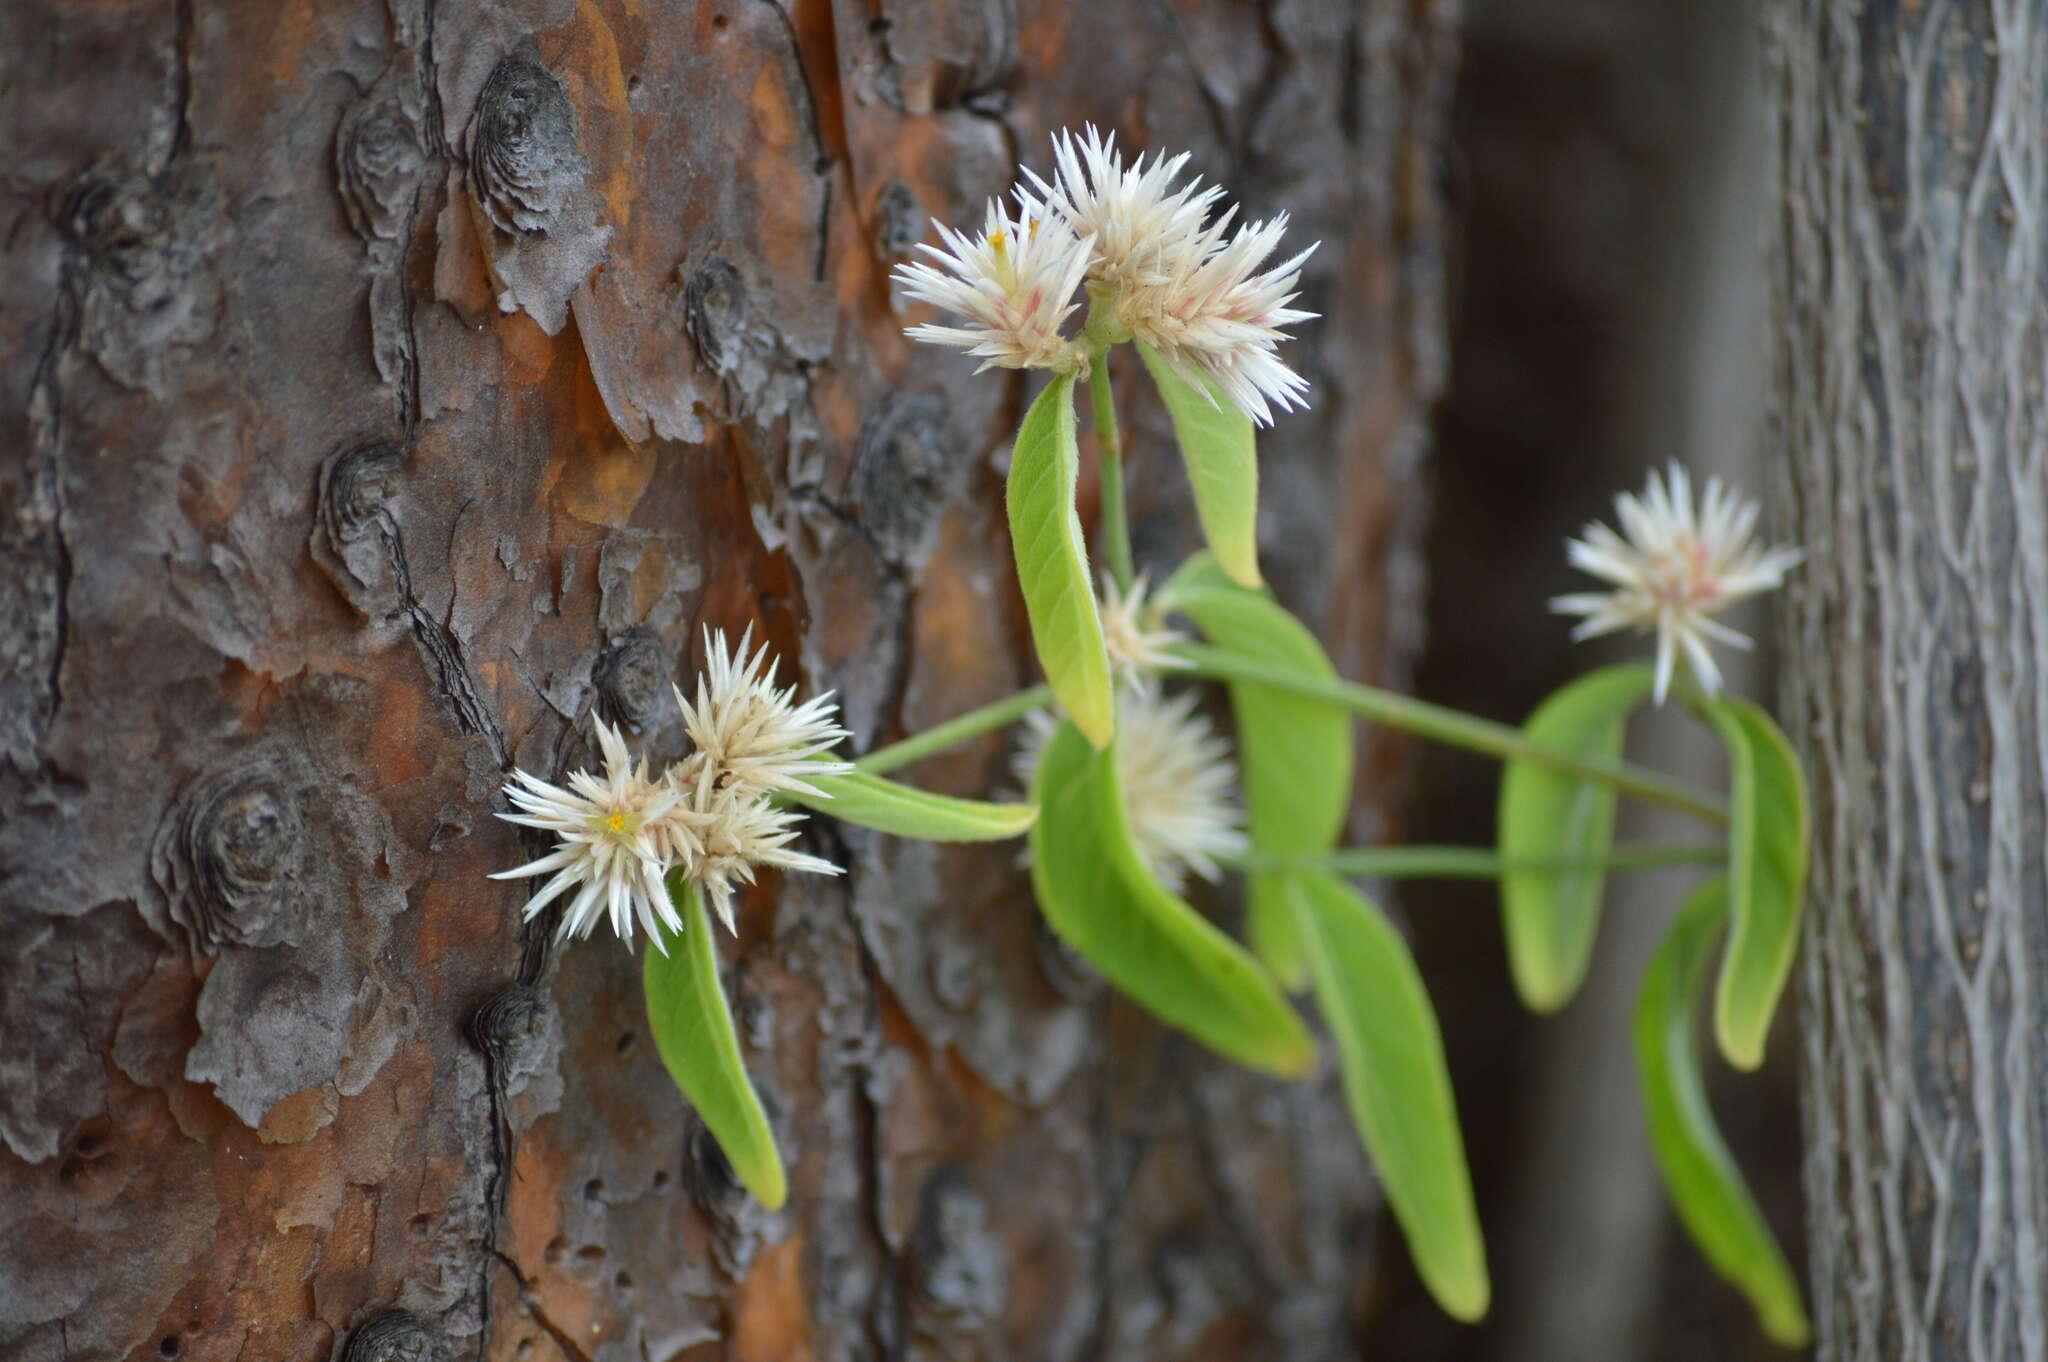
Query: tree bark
column 1909, row 284
column 388, row 389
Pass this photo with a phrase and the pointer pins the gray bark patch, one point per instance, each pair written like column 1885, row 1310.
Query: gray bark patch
column 529, row 180
column 61, row 981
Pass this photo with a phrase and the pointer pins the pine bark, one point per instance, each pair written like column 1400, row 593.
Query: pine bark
column 389, row 389
column 1910, row 361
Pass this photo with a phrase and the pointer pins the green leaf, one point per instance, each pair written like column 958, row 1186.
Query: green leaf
column 1706, row 1187
column 693, row 1031
column 1295, row 754
column 1219, row 447
column 872, row 802
column 1397, row 1084
column 1768, row 823
column 1100, row 899
column 1552, row 916
column 1052, row 562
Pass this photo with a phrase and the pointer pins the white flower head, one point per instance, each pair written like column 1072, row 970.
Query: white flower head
column 1137, row 642
column 1179, row 783
column 1136, row 219
column 1013, row 287
column 608, row 847
column 1674, row 566
column 756, row 737
column 738, row 833
column 1219, row 317
column 1178, row 280
column 1180, row 786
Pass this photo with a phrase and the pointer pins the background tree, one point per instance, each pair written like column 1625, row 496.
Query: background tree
column 1909, row 293
column 388, row 387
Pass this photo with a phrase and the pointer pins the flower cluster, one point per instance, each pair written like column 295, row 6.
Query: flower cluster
column 1675, row 565
column 711, row 817
column 1164, row 262
column 1178, row 777
column 1137, row 643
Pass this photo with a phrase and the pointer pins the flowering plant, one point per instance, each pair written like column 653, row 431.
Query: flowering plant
column 1131, row 790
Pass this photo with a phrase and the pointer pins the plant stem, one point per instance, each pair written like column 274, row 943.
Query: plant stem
column 1477, row 863
column 1116, row 528
column 957, row 729
column 1455, row 729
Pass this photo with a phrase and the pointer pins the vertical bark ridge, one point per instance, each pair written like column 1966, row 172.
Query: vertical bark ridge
column 1910, row 419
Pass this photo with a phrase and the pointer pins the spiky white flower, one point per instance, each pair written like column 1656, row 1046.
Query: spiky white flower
column 756, row 737
column 1137, row 643
column 1218, row 317
column 1179, row 782
column 1674, row 565
column 1136, row 218
column 1181, row 283
column 736, row 833
column 1014, row 287
column 608, row 846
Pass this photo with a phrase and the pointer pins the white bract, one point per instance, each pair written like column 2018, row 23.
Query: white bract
column 1136, row 219
column 740, row 833
column 1180, row 786
column 1137, row 642
column 1674, row 566
column 1162, row 265
column 756, row 737
column 710, row 818
column 1013, row 287
column 1179, row 279
column 1218, row 317
column 608, row 843
column 1178, row 778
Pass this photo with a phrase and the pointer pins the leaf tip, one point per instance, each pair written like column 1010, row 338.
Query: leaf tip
column 1096, row 722
column 768, row 1184
column 1243, row 569
column 1738, row 1036
column 1545, row 994
column 1741, row 1049
column 1466, row 1300
column 1297, row 1059
column 1788, row 1328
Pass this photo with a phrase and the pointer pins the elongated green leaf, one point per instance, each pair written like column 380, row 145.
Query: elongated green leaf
column 1220, row 449
column 693, row 1030
column 1052, row 562
column 1099, row 898
column 1767, row 846
column 1295, row 754
column 1706, row 1187
column 873, row 802
column 1397, row 1084
column 1552, row 916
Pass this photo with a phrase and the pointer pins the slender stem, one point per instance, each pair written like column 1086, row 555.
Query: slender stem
column 957, row 729
column 1456, row 729
column 1477, row 863
column 1116, row 528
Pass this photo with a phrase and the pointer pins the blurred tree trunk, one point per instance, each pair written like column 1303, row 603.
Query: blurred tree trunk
column 386, row 389
column 1909, row 280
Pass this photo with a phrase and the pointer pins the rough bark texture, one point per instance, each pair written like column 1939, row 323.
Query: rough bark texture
column 385, row 390
column 1913, row 427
